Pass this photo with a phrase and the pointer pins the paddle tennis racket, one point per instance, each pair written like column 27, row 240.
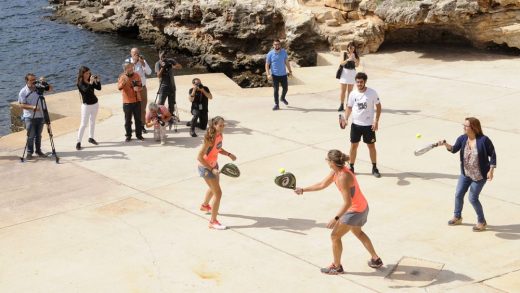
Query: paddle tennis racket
column 426, row 148
column 286, row 180
column 230, row 170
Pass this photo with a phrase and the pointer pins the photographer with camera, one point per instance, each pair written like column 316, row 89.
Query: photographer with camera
column 129, row 84
column 87, row 83
column 142, row 68
column 157, row 116
column 33, row 114
column 164, row 68
column 199, row 95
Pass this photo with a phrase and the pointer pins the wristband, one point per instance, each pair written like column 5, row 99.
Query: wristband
column 336, row 218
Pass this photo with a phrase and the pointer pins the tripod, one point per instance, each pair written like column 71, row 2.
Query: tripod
column 47, row 120
column 175, row 115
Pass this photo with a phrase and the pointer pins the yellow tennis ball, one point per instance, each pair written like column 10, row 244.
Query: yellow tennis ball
column 281, row 170
column 418, row 135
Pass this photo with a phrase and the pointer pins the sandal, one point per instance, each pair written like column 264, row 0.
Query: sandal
column 455, row 221
column 479, row 227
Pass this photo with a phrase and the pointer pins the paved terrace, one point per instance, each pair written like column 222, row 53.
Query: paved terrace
column 123, row 217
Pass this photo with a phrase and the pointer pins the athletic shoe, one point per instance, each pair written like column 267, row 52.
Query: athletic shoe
column 78, row 146
column 377, row 263
column 479, row 227
column 375, row 172
column 127, row 139
column 29, row 157
column 276, row 107
column 193, row 134
column 205, row 208
column 140, row 138
column 284, row 101
column 93, row 141
column 455, row 221
column 163, row 142
column 41, row 154
column 216, row 225
column 341, row 109
column 332, row 270
column 144, row 130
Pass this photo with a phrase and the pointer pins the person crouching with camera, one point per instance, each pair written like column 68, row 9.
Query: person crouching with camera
column 87, row 83
column 157, row 116
column 129, row 84
column 33, row 115
column 199, row 96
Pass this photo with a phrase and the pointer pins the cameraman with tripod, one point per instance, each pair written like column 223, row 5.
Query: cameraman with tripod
column 157, row 116
column 199, row 95
column 164, row 68
column 33, row 112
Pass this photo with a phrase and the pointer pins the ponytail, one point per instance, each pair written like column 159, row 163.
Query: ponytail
column 338, row 158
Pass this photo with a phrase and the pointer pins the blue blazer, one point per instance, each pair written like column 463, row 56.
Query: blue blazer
column 486, row 153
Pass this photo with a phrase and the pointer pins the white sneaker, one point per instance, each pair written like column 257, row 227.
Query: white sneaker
column 163, row 142
column 217, row 226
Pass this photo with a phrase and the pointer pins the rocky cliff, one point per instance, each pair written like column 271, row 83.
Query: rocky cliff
column 233, row 36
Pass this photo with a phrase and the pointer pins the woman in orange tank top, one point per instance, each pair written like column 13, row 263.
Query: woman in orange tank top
column 208, row 168
column 351, row 216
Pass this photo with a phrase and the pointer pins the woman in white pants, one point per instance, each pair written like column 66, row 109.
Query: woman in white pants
column 349, row 61
column 86, row 83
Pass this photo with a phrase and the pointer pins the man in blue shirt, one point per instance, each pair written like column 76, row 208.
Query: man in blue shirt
column 277, row 60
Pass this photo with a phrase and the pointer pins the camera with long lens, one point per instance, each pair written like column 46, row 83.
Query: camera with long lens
column 41, row 86
column 159, row 119
column 135, row 83
column 200, row 86
column 168, row 63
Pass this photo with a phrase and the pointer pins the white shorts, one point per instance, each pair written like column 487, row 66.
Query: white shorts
column 348, row 76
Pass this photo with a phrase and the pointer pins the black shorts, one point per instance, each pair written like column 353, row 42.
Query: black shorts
column 356, row 131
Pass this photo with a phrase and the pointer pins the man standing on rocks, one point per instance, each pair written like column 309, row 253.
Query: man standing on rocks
column 164, row 69
column 142, row 68
column 363, row 103
column 277, row 60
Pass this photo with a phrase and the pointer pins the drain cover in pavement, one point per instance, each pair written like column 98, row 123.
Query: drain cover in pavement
column 415, row 272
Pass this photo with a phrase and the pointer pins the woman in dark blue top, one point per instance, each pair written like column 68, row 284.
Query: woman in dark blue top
column 87, row 83
column 478, row 161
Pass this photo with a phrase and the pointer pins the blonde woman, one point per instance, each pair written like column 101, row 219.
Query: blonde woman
column 349, row 61
column 352, row 214
column 208, row 168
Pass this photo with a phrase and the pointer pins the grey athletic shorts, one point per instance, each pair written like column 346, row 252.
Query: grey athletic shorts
column 355, row 218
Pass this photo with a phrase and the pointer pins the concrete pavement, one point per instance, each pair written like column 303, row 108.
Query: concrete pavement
column 123, row 217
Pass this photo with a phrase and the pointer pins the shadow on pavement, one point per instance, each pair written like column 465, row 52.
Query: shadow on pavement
column 85, row 155
column 304, row 110
column 291, row 225
column 400, row 112
column 508, row 232
column 401, row 177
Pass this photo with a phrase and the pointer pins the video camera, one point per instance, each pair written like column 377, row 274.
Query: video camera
column 41, row 86
column 135, row 83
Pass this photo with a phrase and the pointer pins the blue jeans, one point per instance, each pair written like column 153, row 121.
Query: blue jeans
column 276, row 84
column 34, row 134
column 475, row 187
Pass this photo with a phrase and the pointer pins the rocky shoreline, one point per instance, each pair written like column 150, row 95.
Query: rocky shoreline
column 233, row 36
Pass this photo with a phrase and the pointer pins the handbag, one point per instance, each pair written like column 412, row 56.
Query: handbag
column 339, row 71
